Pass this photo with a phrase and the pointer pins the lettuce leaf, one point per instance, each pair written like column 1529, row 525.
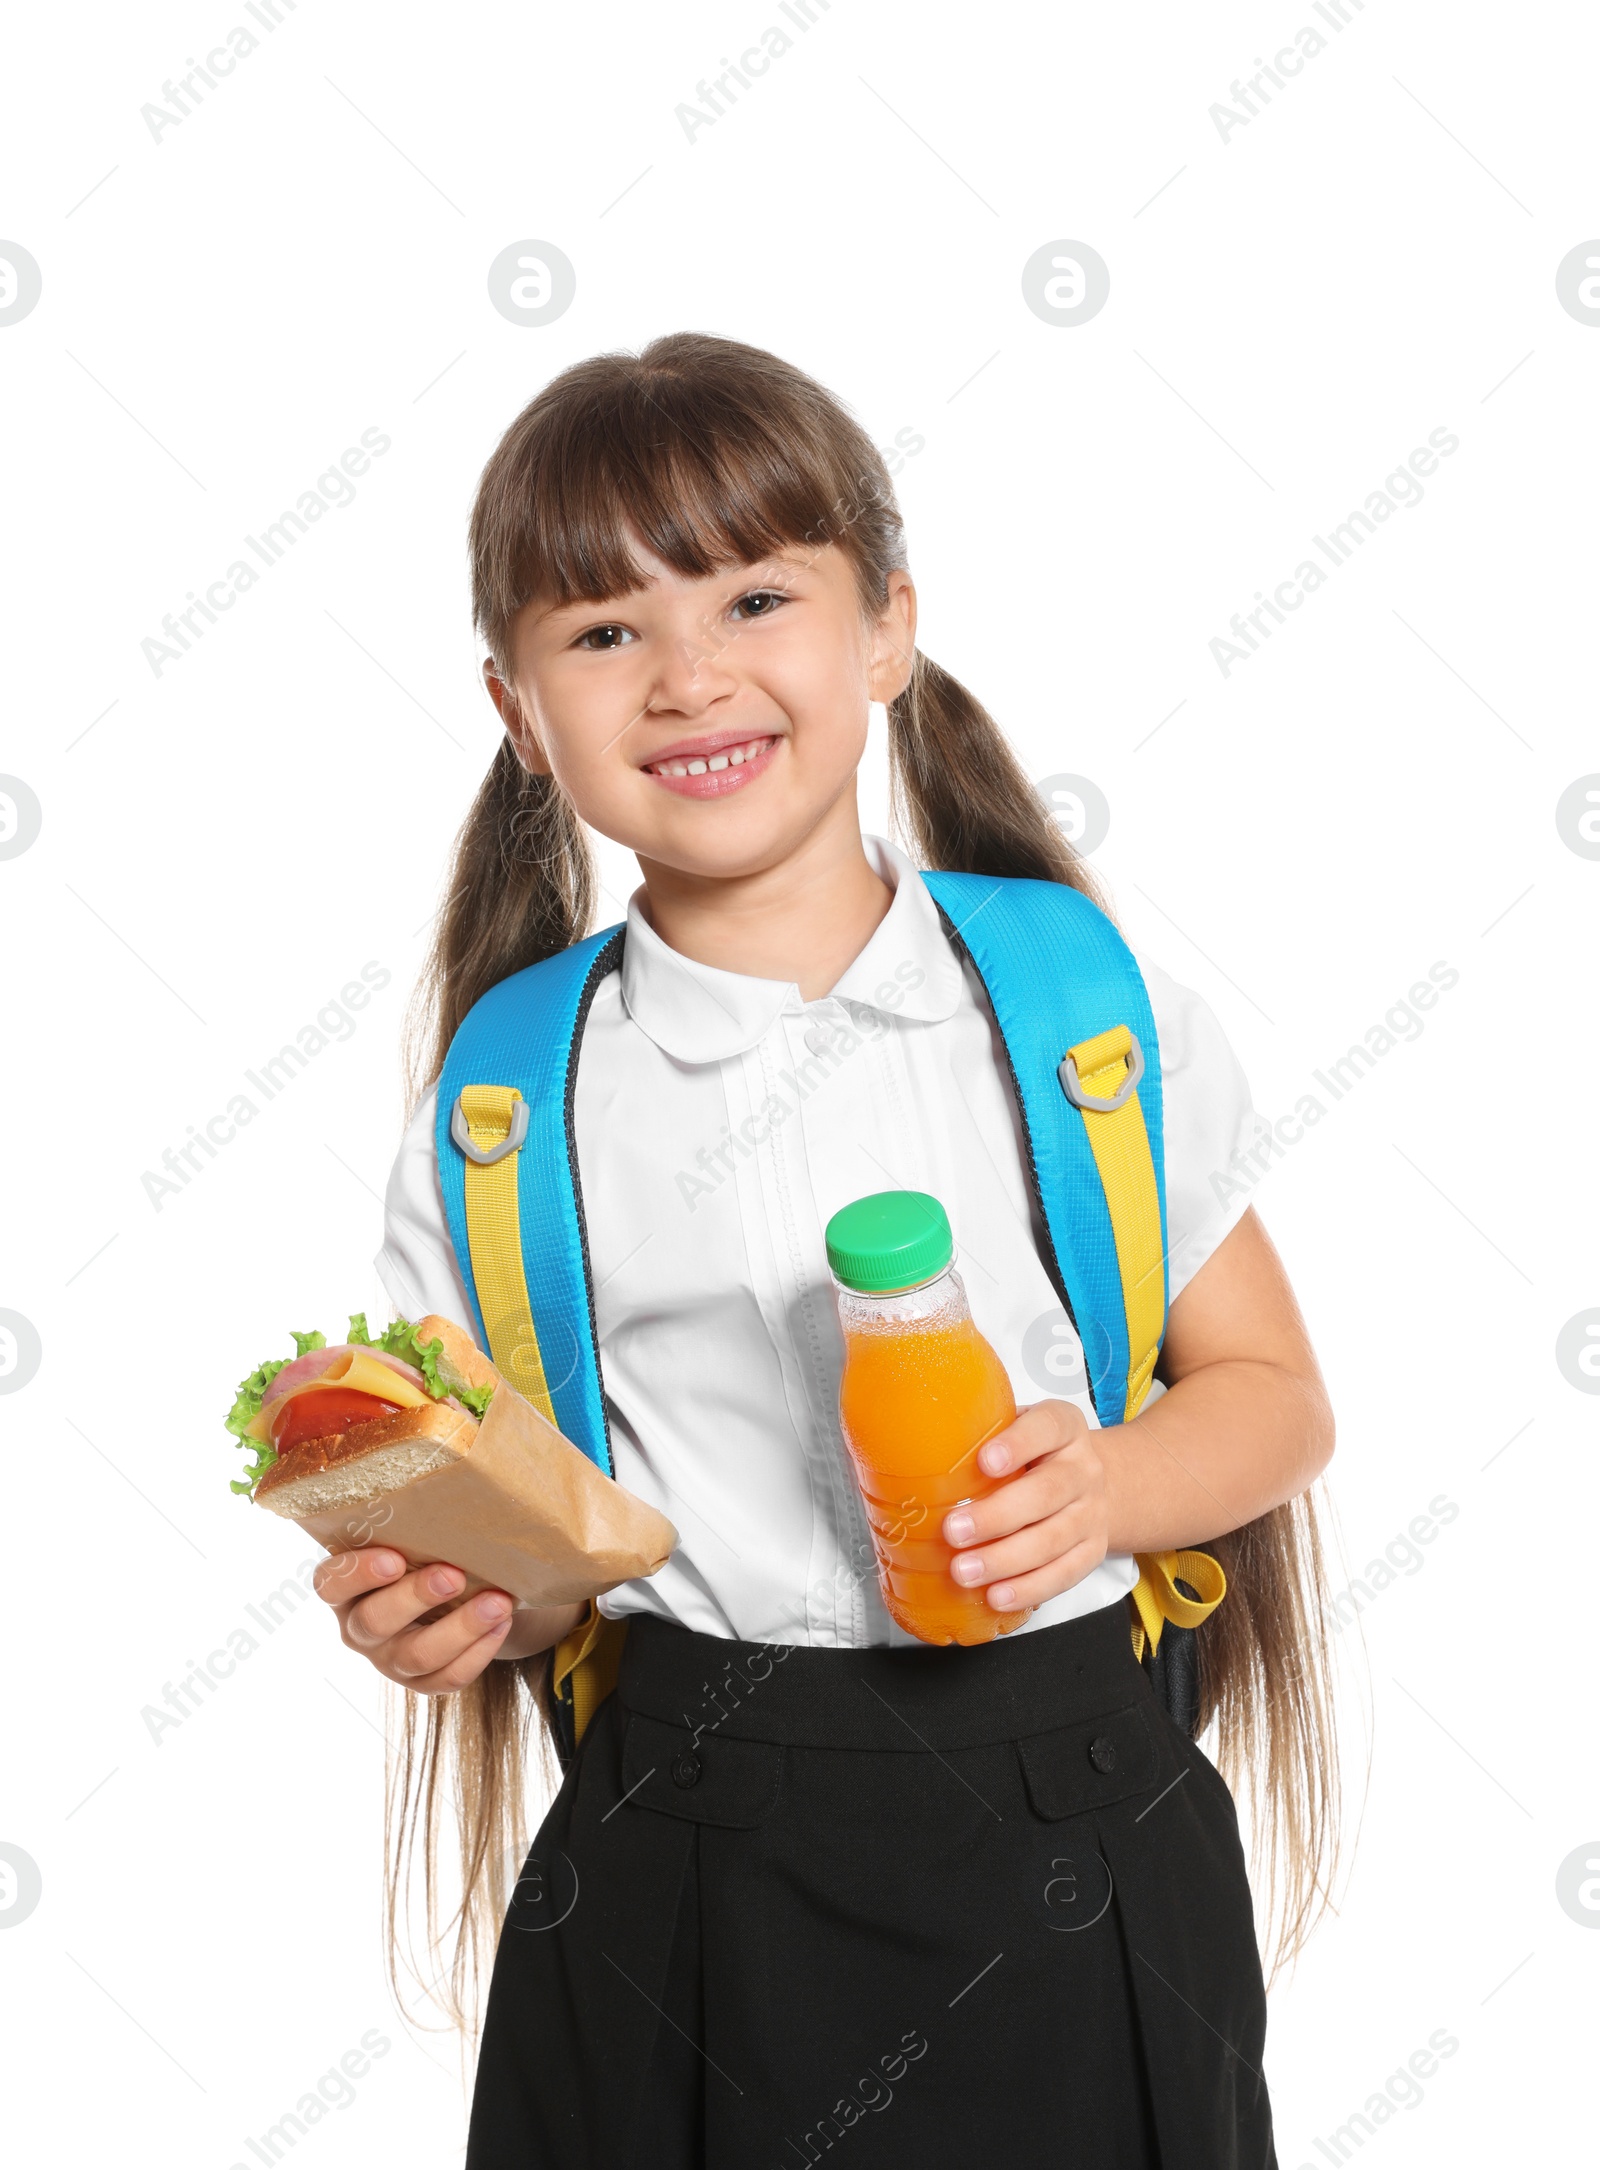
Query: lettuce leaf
column 441, row 1379
column 252, row 1392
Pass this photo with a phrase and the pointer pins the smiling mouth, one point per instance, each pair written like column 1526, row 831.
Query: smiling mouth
column 718, row 771
column 725, row 757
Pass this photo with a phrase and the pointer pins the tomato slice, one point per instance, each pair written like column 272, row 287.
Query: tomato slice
column 320, row 1412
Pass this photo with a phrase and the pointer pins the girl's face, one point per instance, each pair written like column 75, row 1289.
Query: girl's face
column 711, row 725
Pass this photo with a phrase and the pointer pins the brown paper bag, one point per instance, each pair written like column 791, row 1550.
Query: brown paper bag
column 523, row 1511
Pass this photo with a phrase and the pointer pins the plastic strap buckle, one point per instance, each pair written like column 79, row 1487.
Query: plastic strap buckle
column 1067, row 1072
column 487, row 1155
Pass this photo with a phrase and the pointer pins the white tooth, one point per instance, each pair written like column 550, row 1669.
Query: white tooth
column 676, row 768
column 737, row 756
column 717, row 761
column 695, row 768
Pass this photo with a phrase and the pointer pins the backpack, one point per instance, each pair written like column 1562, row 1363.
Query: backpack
column 1081, row 1045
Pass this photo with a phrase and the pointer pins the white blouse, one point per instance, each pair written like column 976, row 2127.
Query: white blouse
column 720, row 1121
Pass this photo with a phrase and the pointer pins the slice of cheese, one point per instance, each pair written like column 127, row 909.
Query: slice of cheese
column 354, row 1370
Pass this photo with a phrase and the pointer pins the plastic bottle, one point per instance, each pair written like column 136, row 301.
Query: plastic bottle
column 921, row 1392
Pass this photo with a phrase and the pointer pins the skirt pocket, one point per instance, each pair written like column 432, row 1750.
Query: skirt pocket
column 1077, row 1769
column 701, row 1776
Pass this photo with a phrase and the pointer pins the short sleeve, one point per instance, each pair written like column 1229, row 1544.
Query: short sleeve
column 417, row 1264
column 1208, row 1120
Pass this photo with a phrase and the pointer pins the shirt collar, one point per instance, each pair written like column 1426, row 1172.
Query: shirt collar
column 697, row 1013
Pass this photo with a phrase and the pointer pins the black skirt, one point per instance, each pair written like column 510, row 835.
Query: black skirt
column 879, row 1907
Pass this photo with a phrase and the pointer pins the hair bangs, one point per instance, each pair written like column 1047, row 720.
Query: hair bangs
column 699, row 499
column 705, row 466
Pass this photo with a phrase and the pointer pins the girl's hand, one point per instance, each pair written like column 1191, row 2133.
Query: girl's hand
column 1036, row 1536
column 381, row 1608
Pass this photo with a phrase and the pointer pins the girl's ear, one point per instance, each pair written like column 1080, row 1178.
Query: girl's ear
column 524, row 740
column 894, row 640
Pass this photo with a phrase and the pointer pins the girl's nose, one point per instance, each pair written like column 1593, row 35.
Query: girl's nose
column 691, row 676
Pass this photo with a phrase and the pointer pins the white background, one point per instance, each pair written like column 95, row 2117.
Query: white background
column 225, row 844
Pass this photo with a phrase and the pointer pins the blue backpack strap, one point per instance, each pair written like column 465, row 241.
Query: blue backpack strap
column 1058, row 975
column 524, row 1034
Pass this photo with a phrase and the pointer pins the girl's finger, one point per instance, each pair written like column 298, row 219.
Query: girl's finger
column 1043, row 1490
column 463, row 1669
column 348, row 1575
column 1017, row 1592
column 373, row 1619
column 421, row 1651
column 1034, row 1547
column 1038, row 1430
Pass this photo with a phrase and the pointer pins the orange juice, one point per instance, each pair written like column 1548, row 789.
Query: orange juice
column 921, row 1392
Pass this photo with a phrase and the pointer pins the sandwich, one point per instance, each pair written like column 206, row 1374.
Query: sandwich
column 412, row 1438
column 332, row 1425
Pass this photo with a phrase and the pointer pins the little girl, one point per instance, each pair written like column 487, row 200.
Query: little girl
column 808, row 1883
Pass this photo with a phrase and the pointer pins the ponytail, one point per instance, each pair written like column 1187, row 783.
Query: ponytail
column 467, row 1755
column 960, row 794
column 522, row 887
column 1266, row 1684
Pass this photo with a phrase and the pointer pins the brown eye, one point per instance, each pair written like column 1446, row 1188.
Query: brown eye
column 763, row 602
column 600, row 639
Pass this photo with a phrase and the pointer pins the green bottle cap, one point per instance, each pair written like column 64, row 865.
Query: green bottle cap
column 892, row 1240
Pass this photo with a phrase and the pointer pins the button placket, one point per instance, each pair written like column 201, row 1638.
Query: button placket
column 808, row 1333
column 860, row 1615
column 821, row 1035
column 857, row 1121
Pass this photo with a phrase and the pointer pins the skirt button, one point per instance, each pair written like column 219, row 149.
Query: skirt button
column 1103, row 1754
column 685, row 1770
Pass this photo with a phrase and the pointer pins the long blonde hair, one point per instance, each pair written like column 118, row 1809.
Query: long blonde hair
column 715, row 453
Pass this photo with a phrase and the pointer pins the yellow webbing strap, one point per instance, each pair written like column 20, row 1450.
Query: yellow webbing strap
column 1121, row 1148
column 494, row 1236
column 1121, row 1151
column 592, row 1654
column 1157, row 1599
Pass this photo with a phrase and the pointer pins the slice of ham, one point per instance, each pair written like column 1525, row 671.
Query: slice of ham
column 316, row 1361
column 306, row 1370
